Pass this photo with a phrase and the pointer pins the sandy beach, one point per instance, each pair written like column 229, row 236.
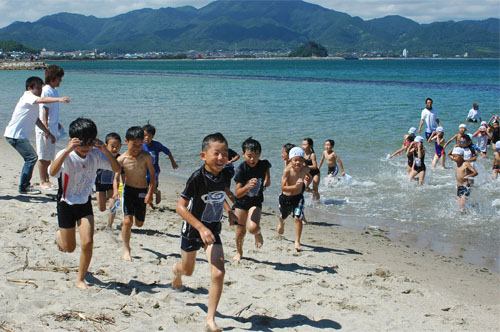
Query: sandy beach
column 342, row 280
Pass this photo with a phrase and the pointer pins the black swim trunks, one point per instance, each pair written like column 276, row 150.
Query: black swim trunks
column 191, row 241
column 68, row 215
column 133, row 202
column 463, row 191
column 333, row 170
column 246, row 205
column 104, row 180
column 293, row 205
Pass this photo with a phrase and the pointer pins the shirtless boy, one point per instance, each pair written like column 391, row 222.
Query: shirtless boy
column 292, row 186
column 331, row 159
column 136, row 164
column 463, row 172
column 496, row 160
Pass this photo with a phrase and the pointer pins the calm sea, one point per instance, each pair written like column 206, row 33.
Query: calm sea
column 365, row 106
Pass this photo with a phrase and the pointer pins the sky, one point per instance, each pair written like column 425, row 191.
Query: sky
column 422, row 11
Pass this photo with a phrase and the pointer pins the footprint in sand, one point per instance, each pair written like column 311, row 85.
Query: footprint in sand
column 259, row 277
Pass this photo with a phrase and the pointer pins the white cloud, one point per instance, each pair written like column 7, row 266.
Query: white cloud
column 422, row 11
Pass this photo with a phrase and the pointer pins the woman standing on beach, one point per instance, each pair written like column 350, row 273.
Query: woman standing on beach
column 310, row 156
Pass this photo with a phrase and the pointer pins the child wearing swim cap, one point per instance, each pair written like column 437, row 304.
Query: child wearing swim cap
column 438, row 137
column 463, row 172
column 483, row 136
column 407, row 142
column 418, row 167
column 291, row 199
column 461, row 130
column 496, row 160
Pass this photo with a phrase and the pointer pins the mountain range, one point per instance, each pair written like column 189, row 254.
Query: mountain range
column 255, row 25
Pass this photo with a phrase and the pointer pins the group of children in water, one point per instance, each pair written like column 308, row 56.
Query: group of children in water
column 464, row 152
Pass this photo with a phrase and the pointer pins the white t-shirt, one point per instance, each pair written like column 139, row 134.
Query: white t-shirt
column 24, row 117
column 474, row 114
column 49, row 91
column 78, row 175
column 430, row 118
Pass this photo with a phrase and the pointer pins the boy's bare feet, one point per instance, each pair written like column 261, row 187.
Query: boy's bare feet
column 304, row 221
column 237, row 257
column 281, row 228
column 212, row 328
column 82, row 285
column 259, row 240
column 126, row 255
column 297, row 246
column 176, row 278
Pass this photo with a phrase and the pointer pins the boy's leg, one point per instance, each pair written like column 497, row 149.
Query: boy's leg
column 111, row 202
column 185, row 267
column 127, row 223
column 253, row 223
column 215, row 257
column 461, row 203
column 66, row 239
column 86, row 230
column 43, row 171
column 241, row 230
column 315, row 192
column 101, row 200
column 298, row 232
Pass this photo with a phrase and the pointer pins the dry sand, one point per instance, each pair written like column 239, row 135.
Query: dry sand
column 342, row 280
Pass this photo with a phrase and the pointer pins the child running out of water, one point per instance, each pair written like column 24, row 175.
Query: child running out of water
column 461, row 130
column 470, row 155
column 252, row 176
column 310, row 160
column 331, row 159
column 496, row 161
column 483, row 136
column 104, row 180
column 285, row 150
column 291, row 199
column 463, row 172
column 418, row 152
column 438, row 137
column 407, row 142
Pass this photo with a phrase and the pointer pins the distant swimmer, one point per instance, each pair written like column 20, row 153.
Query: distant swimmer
column 438, row 137
column 430, row 117
column 463, row 173
column 474, row 114
column 332, row 160
column 418, row 152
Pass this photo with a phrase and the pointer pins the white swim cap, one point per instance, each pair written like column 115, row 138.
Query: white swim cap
column 412, row 131
column 296, row 152
column 419, row 139
column 458, row 150
column 497, row 145
column 462, row 126
column 440, row 129
column 483, row 123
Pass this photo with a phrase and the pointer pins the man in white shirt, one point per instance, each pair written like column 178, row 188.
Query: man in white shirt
column 474, row 114
column 49, row 115
column 18, row 131
column 430, row 117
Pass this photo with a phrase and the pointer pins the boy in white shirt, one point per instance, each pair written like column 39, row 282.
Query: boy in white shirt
column 19, row 129
column 76, row 168
column 49, row 115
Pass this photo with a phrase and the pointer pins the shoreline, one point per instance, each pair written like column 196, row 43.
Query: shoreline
column 342, row 279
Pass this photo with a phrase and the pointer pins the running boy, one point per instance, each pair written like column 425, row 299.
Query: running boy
column 463, row 172
column 201, row 205
column 76, row 167
column 104, row 180
column 418, row 152
column 154, row 148
column 331, row 159
column 461, row 130
column 496, row 160
column 49, row 115
column 438, row 137
column 292, row 186
column 136, row 164
column 252, row 176
column 483, row 136
column 19, row 129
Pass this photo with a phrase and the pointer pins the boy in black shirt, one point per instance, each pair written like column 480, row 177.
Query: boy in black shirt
column 201, row 205
column 251, row 178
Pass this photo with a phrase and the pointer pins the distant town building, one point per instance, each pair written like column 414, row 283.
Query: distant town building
column 46, row 54
column 406, row 53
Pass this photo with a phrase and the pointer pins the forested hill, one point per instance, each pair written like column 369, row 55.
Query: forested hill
column 262, row 25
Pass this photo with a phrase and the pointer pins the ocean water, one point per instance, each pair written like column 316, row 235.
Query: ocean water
column 365, row 106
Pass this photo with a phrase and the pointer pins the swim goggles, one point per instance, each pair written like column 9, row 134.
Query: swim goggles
column 115, row 207
column 89, row 143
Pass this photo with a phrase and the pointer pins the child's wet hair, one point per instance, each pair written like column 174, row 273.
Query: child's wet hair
column 466, row 137
column 83, row 129
column 251, row 145
column 134, row 133
column 52, row 73
column 212, row 138
column 288, row 147
column 111, row 136
column 149, row 128
column 33, row 81
column 310, row 142
column 331, row 141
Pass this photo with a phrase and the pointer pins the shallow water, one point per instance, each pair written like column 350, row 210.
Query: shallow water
column 365, row 106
